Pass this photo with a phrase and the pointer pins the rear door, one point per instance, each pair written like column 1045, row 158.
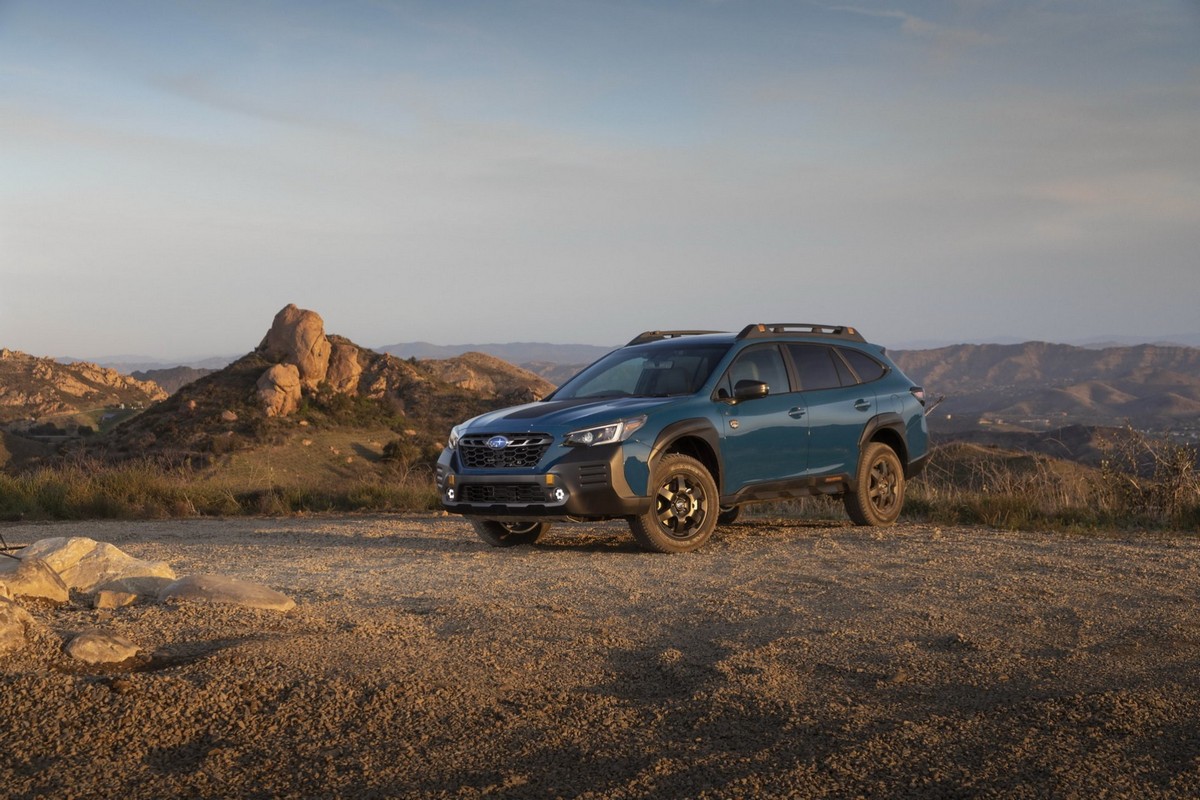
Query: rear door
column 838, row 408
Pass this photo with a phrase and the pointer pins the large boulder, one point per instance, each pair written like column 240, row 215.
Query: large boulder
column 34, row 578
column 88, row 566
column 279, row 390
column 344, row 369
column 223, row 589
column 14, row 621
column 297, row 336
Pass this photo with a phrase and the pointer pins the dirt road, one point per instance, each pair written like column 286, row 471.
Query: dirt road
column 782, row 660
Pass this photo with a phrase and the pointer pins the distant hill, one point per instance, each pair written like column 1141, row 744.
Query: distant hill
column 1036, row 384
column 128, row 364
column 512, row 352
column 171, row 380
column 35, row 390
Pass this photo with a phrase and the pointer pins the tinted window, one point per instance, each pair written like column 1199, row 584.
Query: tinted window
column 760, row 364
column 656, row 371
column 868, row 369
column 815, row 366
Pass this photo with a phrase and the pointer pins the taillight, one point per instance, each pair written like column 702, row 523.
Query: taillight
column 919, row 393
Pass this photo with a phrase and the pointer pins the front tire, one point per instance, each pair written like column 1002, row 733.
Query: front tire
column 683, row 508
column 509, row 534
column 879, row 495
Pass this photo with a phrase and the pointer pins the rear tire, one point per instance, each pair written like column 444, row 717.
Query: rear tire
column 509, row 534
column 879, row 495
column 728, row 515
column 683, row 507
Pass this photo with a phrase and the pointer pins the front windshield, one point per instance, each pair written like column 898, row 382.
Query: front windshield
column 647, row 371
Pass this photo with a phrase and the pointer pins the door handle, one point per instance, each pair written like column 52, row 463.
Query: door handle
column 862, row 405
column 796, row 413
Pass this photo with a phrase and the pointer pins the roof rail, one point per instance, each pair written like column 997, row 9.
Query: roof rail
column 654, row 336
column 767, row 330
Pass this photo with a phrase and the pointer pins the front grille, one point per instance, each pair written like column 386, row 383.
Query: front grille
column 523, row 450
column 503, row 493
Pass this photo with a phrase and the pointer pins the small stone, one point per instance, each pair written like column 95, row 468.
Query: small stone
column 101, row 647
column 229, row 416
column 107, row 598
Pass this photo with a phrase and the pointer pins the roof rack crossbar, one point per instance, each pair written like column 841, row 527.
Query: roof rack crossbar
column 654, row 336
column 769, row 329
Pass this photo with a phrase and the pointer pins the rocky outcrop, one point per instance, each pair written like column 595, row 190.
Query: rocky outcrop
column 297, row 336
column 344, row 369
column 88, row 566
column 279, row 390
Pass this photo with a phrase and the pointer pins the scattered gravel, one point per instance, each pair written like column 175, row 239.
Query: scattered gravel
column 783, row 659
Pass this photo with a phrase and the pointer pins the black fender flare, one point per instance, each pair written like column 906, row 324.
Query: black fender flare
column 889, row 420
column 698, row 427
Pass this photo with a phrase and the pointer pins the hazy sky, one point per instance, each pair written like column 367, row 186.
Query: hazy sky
column 173, row 173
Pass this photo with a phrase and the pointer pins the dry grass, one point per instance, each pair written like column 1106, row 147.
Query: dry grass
column 148, row 490
column 1143, row 483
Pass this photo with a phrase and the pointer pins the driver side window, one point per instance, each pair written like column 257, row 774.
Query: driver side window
column 760, row 364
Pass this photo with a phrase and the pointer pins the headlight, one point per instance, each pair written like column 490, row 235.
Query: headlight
column 604, row 434
column 455, row 434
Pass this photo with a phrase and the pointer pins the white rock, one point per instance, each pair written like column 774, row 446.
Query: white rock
column 223, row 589
column 101, row 647
column 14, row 621
column 33, row 577
column 87, row 565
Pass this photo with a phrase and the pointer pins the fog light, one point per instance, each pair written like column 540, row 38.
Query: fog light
column 450, row 494
column 560, row 495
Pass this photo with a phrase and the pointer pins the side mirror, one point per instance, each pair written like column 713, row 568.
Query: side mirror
column 749, row 390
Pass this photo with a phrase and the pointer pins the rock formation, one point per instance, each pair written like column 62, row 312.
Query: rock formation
column 279, row 390
column 49, row 568
column 297, row 336
column 344, row 369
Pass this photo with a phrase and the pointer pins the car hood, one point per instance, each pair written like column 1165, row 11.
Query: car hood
column 574, row 413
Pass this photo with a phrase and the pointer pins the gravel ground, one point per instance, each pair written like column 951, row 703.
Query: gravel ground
column 783, row 660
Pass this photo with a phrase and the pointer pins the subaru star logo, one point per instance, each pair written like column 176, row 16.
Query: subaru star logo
column 498, row 442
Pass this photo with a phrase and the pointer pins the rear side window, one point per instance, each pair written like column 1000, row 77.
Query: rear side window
column 868, row 369
column 816, row 367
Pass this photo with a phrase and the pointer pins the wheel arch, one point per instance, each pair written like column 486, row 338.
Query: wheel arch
column 887, row 429
column 691, row 437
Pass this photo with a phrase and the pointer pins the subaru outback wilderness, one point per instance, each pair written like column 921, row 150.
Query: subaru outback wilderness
column 678, row 429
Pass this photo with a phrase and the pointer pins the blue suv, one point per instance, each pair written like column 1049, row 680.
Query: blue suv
column 676, row 430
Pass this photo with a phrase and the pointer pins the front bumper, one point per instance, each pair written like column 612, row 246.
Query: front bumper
column 585, row 482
